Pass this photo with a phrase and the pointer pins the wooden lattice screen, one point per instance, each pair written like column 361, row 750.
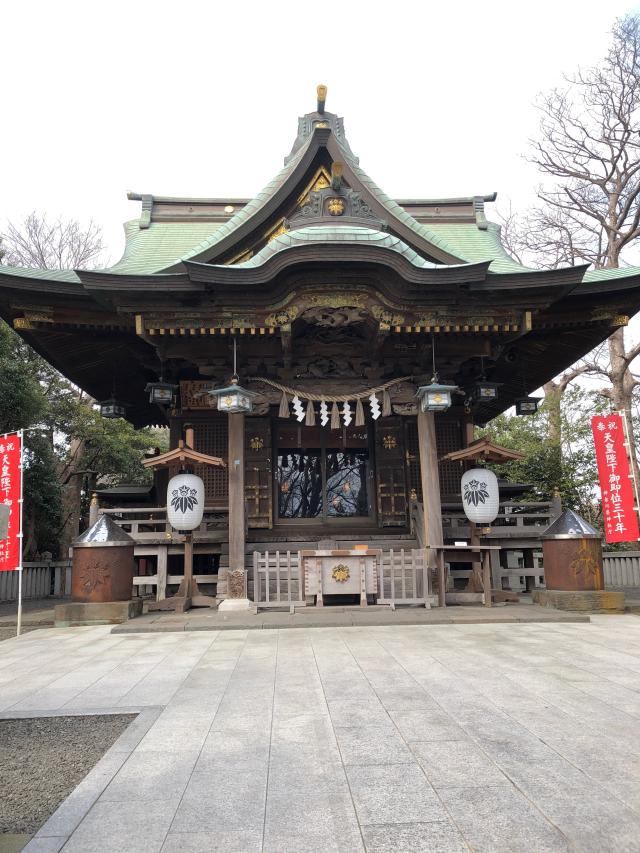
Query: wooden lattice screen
column 211, row 437
column 448, row 438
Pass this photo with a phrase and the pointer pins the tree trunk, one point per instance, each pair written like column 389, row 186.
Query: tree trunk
column 71, row 497
column 552, row 401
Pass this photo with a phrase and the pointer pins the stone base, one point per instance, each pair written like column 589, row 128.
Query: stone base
column 584, row 601
column 74, row 613
column 236, row 604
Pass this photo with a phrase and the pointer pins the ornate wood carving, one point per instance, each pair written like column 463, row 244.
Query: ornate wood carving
column 194, row 395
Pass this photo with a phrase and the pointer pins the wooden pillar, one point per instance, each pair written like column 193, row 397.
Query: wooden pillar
column 236, row 492
column 161, row 589
column 431, row 506
column 486, row 577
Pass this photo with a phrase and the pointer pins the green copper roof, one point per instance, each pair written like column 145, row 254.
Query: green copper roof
column 249, row 209
column 606, row 275
column 41, row 273
column 162, row 244
column 337, row 234
column 394, row 208
column 475, row 244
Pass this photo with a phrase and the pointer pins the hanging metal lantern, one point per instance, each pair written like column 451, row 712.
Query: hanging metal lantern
column 185, row 501
column 527, row 405
column 233, row 399
column 112, row 408
column 161, row 392
column 435, row 397
column 483, row 391
column 480, row 495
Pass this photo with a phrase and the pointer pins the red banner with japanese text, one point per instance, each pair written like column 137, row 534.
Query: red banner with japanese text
column 10, row 499
column 620, row 518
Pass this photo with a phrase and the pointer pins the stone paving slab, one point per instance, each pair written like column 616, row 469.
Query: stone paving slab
column 444, row 737
column 202, row 619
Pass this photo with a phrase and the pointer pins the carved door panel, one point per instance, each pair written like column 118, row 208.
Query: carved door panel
column 390, row 473
column 257, row 472
column 412, row 457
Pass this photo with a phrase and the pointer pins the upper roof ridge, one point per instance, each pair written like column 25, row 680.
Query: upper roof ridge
column 319, row 118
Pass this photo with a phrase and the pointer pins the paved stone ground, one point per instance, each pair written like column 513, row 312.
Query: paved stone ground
column 205, row 619
column 516, row 737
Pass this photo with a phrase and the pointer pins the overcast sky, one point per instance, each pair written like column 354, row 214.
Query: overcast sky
column 202, row 98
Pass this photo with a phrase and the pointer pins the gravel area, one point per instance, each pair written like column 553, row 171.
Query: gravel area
column 43, row 759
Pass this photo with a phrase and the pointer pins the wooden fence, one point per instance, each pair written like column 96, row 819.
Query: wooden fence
column 276, row 580
column 622, row 568
column 403, row 578
column 39, row 580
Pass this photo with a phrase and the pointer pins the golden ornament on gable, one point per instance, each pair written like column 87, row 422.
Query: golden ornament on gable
column 389, row 442
column 336, row 206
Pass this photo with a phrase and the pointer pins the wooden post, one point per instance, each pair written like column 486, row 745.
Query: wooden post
column 442, row 580
column 431, row 506
column 486, row 577
column 161, row 589
column 236, row 492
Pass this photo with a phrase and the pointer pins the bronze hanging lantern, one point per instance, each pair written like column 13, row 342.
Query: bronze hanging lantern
column 527, row 405
column 112, row 408
column 435, row 397
column 161, row 393
column 234, row 399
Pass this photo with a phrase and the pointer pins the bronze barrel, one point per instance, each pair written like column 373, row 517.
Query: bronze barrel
column 572, row 552
column 103, row 566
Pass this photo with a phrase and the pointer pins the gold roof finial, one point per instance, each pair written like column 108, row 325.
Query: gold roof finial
column 322, row 97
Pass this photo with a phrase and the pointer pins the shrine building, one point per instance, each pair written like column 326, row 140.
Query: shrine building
column 339, row 303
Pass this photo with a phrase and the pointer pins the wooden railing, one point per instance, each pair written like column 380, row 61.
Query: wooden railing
column 621, row 568
column 515, row 520
column 149, row 524
column 39, row 580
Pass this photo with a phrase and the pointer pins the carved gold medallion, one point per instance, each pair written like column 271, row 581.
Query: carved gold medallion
column 256, row 443
column 341, row 573
column 389, row 442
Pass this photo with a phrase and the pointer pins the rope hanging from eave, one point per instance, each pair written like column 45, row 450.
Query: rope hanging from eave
column 330, row 398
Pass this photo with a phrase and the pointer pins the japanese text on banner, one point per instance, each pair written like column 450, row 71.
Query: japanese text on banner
column 10, row 496
column 620, row 518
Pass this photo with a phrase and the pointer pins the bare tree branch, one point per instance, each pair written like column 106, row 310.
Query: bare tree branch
column 39, row 243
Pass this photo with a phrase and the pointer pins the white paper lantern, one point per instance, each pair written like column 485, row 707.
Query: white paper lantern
column 185, row 501
column 480, row 495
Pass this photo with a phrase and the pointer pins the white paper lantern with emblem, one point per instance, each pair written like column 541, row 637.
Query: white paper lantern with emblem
column 185, row 501
column 480, row 495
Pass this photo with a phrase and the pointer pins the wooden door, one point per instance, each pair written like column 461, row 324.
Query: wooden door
column 257, row 472
column 390, row 473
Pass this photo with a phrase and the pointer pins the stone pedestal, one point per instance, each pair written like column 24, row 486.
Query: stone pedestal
column 235, row 604
column 583, row 601
column 236, row 592
column 74, row 613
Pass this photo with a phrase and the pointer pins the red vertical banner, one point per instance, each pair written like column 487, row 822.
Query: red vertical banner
column 620, row 518
column 11, row 496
